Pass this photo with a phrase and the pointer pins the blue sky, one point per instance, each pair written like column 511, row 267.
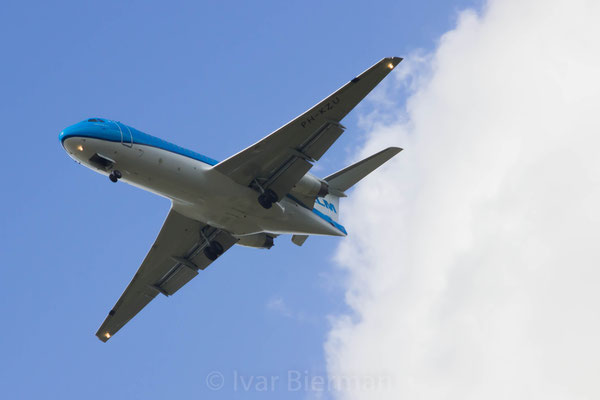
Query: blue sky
column 214, row 77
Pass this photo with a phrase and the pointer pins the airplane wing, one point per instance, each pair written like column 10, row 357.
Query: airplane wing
column 278, row 161
column 173, row 260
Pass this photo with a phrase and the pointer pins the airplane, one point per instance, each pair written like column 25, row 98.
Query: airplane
column 248, row 199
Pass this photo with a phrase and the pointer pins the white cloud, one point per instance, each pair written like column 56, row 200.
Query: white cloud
column 473, row 257
column 277, row 305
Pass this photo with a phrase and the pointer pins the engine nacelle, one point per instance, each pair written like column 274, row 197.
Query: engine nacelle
column 258, row 240
column 310, row 185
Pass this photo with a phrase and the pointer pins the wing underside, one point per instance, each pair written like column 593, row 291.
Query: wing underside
column 173, row 260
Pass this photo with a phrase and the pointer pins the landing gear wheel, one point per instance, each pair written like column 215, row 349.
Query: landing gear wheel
column 264, row 201
column 267, row 198
column 213, row 250
column 210, row 253
column 271, row 195
column 115, row 176
column 217, row 248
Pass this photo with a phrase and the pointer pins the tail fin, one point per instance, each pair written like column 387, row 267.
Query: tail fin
column 328, row 207
column 349, row 176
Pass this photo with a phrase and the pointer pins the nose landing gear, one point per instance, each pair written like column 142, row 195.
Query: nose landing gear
column 115, row 176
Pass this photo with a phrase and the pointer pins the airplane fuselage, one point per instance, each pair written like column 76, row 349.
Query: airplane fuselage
column 189, row 180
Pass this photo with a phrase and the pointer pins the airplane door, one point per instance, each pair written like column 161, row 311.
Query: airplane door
column 126, row 137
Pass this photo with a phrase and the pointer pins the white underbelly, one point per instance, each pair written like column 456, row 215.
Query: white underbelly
column 201, row 193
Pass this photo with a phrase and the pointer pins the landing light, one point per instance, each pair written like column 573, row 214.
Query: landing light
column 80, row 148
column 391, row 66
column 107, row 335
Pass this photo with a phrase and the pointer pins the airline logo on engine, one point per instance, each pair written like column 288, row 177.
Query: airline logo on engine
column 324, row 203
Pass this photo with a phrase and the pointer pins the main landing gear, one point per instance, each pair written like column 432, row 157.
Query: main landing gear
column 213, row 250
column 115, row 176
column 267, row 198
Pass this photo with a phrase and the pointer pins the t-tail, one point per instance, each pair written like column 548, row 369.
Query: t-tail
column 341, row 181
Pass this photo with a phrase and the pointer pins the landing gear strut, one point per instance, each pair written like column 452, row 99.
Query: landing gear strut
column 213, row 250
column 115, row 176
column 267, row 198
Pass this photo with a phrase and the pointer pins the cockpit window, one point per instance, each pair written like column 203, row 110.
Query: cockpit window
column 95, row 120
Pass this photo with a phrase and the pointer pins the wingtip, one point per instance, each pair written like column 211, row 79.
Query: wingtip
column 395, row 60
column 391, row 62
column 103, row 337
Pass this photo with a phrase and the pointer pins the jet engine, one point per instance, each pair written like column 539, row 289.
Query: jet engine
column 310, row 185
column 258, row 240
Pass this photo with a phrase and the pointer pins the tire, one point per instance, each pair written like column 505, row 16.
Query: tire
column 217, row 248
column 264, row 201
column 118, row 174
column 272, row 196
column 113, row 178
column 209, row 252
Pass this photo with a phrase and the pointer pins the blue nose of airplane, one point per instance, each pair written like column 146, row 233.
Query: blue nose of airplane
column 90, row 128
column 71, row 131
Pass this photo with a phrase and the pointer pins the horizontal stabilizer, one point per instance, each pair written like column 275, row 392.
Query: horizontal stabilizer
column 349, row 176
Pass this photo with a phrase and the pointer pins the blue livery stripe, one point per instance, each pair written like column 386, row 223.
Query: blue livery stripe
column 330, row 220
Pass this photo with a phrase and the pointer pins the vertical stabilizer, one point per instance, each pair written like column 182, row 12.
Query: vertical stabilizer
column 348, row 177
column 328, row 205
